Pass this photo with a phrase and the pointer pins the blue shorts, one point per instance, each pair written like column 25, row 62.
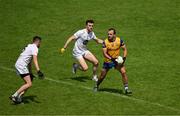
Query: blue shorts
column 109, row 65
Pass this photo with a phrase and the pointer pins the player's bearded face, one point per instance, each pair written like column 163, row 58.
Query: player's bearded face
column 89, row 26
column 111, row 35
column 38, row 44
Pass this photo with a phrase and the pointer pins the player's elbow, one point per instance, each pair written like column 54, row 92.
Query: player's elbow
column 125, row 49
column 72, row 38
column 104, row 54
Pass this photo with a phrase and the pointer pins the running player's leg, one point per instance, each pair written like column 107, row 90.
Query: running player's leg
column 101, row 78
column 23, row 92
column 27, row 84
column 82, row 64
column 122, row 70
column 16, row 97
column 91, row 58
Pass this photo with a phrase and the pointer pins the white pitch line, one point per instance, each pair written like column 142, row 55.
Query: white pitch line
column 119, row 95
column 88, row 88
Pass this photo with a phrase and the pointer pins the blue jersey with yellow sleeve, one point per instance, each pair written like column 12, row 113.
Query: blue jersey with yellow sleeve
column 113, row 48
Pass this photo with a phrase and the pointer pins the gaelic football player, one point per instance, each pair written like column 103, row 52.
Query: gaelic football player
column 23, row 68
column 111, row 50
column 81, row 52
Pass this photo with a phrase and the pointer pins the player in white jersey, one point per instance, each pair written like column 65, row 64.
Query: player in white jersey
column 80, row 51
column 23, row 68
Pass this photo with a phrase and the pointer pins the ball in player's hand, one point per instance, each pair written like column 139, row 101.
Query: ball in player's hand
column 119, row 60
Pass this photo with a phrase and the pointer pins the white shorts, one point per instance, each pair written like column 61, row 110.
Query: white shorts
column 20, row 69
column 80, row 55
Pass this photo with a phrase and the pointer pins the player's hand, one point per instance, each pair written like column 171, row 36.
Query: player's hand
column 114, row 60
column 124, row 59
column 40, row 75
column 62, row 50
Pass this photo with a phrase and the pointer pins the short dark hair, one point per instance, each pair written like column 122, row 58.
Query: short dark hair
column 35, row 38
column 112, row 29
column 89, row 21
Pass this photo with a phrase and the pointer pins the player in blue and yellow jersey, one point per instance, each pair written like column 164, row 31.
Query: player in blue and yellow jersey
column 111, row 50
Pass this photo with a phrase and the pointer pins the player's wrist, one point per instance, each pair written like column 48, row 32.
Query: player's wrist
column 124, row 58
column 111, row 58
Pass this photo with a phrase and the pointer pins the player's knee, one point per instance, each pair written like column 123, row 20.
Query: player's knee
column 123, row 72
column 96, row 63
column 29, row 84
column 85, row 68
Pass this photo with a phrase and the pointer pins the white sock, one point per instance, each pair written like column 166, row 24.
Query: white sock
column 19, row 96
column 126, row 88
column 15, row 94
column 95, row 77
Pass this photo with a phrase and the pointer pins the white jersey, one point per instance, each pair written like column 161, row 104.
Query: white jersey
column 82, row 39
column 26, row 56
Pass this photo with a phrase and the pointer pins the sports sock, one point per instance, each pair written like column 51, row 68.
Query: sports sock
column 76, row 66
column 125, row 86
column 20, row 95
column 15, row 94
column 95, row 76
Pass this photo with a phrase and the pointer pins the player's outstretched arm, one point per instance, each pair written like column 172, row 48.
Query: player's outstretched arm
column 99, row 41
column 67, row 43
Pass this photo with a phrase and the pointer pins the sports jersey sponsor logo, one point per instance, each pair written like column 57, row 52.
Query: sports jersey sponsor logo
column 85, row 42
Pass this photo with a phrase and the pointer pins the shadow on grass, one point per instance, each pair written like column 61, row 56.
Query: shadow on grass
column 81, row 78
column 110, row 90
column 31, row 98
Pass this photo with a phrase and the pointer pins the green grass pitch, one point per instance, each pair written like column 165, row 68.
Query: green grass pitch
column 151, row 31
